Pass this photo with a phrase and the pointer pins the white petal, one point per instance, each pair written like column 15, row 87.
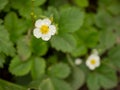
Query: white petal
column 52, row 29
column 78, row 61
column 91, row 67
column 38, row 23
column 46, row 37
column 98, row 63
column 36, row 33
column 46, row 21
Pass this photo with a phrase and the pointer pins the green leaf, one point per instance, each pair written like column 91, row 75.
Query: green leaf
column 64, row 42
column 114, row 56
column 39, row 2
column 18, row 67
column 4, row 85
column 104, row 77
column 3, row 3
column 46, row 85
column 106, row 40
column 76, row 79
column 81, row 3
column 39, row 47
column 60, row 70
column 71, row 19
column 15, row 26
column 2, row 60
column 38, row 67
column 60, row 84
column 6, row 46
column 93, row 82
column 23, row 48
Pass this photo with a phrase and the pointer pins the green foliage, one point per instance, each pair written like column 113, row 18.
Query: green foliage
column 60, row 70
column 104, row 77
column 38, row 67
column 82, row 25
column 71, row 20
column 6, row 46
column 19, row 67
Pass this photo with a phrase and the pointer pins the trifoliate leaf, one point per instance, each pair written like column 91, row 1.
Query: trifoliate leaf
column 60, row 70
column 71, row 19
column 64, row 42
column 6, row 46
column 38, row 67
column 19, row 67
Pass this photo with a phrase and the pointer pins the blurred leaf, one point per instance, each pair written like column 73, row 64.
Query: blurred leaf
column 15, row 26
column 46, row 85
column 4, row 85
column 3, row 3
column 107, row 40
column 19, row 67
column 104, row 77
column 93, row 82
column 71, row 19
column 60, row 84
column 6, row 46
column 64, row 42
column 39, row 2
column 60, row 70
column 39, row 47
column 23, row 49
column 114, row 56
column 76, row 79
column 38, row 67
column 81, row 3
column 2, row 60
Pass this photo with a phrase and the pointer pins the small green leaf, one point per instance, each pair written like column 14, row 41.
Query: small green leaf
column 46, row 85
column 6, row 46
column 60, row 70
column 38, row 67
column 3, row 3
column 93, row 82
column 71, row 19
column 76, row 79
column 61, row 84
column 106, row 40
column 16, row 27
column 64, row 42
column 39, row 47
column 81, row 3
column 114, row 56
column 23, row 49
column 18, row 67
column 39, row 2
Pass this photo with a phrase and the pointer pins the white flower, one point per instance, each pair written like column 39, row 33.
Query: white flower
column 44, row 29
column 78, row 61
column 93, row 61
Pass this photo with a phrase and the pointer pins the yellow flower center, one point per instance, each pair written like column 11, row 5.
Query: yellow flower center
column 44, row 29
column 93, row 61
